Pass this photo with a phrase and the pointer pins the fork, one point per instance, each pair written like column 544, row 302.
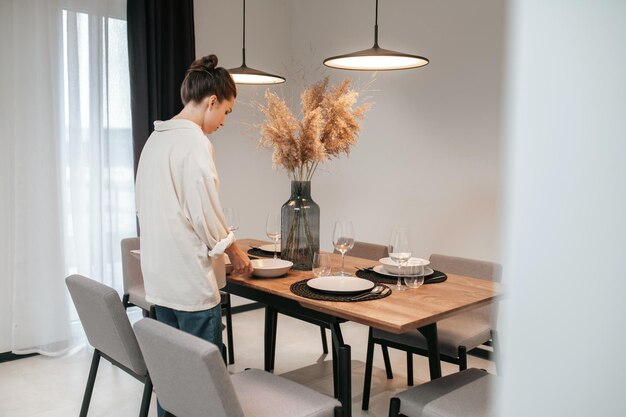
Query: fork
column 374, row 291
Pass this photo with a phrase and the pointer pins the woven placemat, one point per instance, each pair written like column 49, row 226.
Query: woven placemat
column 435, row 277
column 300, row 288
column 261, row 253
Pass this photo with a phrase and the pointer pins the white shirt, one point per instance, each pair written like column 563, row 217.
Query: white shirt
column 183, row 231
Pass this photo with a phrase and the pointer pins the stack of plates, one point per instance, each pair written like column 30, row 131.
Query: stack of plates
column 379, row 269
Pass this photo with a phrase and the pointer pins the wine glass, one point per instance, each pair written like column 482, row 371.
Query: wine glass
column 321, row 264
column 232, row 219
column 415, row 281
column 343, row 240
column 400, row 251
column 272, row 229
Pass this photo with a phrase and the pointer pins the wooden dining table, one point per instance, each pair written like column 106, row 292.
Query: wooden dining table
column 400, row 312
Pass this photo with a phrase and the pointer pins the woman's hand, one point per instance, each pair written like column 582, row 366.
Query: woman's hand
column 239, row 259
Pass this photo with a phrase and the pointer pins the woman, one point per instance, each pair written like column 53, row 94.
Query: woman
column 183, row 232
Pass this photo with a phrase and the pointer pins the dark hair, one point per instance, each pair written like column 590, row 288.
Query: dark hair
column 204, row 78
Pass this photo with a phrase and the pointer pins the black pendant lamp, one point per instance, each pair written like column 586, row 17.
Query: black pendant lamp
column 246, row 75
column 376, row 58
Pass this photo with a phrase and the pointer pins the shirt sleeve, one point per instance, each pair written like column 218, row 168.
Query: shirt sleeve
column 202, row 204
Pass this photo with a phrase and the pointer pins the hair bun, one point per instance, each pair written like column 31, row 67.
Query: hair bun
column 206, row 63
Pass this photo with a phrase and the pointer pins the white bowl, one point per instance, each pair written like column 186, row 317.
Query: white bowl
column 412, row 267
column 270, row 267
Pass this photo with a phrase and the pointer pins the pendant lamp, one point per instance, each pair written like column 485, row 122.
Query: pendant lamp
column 246, row 75
column 376, row 58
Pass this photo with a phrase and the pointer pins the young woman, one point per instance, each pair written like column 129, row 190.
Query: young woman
column 183, row 232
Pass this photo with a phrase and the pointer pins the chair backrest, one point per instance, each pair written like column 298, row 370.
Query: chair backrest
column 131, row 266
column 469, row 267
column 105, row 322
column 472, row 268
column 188, row 373
column 366, row 250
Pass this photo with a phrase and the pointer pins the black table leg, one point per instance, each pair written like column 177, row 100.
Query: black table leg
column 269, row 338
column 335, row 361
column 344, row 371
column 274, row 332
column 434, row 363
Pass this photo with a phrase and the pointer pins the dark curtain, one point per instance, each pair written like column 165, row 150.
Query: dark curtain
column 161, row 46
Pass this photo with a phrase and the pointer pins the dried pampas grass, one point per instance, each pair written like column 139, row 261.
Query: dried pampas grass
column 329, row 127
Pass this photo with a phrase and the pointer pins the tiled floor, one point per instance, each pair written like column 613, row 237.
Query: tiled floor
column 53, row 387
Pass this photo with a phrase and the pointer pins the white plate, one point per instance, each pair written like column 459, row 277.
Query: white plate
column 270, row 267
column 270, row 248
column 381, row 270
column 340, row 284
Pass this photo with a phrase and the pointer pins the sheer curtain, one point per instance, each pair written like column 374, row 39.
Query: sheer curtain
column 69, row 137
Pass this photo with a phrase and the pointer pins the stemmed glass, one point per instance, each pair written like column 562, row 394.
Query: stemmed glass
column 321, row 264
column 272, row 229
column 343, row 240
column 400, row 252
column 232, row 219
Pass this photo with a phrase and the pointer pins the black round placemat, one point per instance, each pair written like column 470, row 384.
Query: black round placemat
column 261, row 253
column 300, row 288
column 435, row 277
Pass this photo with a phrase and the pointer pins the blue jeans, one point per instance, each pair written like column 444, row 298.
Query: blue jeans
column 206, row 324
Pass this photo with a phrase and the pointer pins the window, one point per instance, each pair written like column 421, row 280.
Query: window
column 96, row 150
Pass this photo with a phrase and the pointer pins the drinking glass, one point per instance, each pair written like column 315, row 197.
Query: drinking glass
column 321, row 264
column 232, row 219
column 343, row 240
column 272, row 229
column 400, row 251
column 415, row 281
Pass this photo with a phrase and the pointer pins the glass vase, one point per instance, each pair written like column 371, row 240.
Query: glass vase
column 300, row 227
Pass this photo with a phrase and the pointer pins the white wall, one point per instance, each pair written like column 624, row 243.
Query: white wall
column 428, row 154
column 566, row 210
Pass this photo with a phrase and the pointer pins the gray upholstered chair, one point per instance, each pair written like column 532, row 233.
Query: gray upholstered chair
column 464, row 394
column 456, row 335
column 108, row 330
column 191, row 380
column 135, row 294
column 366, row 250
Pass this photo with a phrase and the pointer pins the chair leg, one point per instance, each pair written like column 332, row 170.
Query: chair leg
column 462, row 358
column 367, row 381
column 496, row 350
column 387, row 362
column 229, row 333
column 145, row 399
column 394, row 407
column 324, row 341
column 125, row 302
column 95, row 361
column 409, row 369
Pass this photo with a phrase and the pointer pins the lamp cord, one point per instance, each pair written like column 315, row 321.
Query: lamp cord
column 243, row 49
column 375, row 27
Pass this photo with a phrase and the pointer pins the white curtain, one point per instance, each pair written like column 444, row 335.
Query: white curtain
column 70, row 186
